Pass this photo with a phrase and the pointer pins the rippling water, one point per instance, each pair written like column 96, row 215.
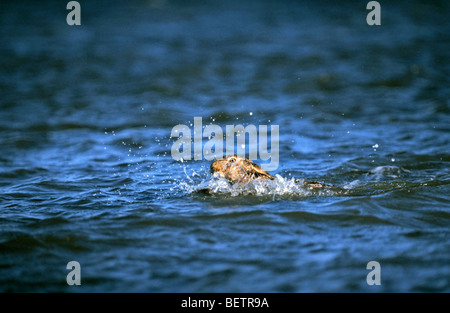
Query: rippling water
column 86, row 172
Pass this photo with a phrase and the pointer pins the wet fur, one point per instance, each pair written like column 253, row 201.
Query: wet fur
column 238, row 169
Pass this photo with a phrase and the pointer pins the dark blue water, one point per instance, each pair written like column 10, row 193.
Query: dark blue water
column 86, row 172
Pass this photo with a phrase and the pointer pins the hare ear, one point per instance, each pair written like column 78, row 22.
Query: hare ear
column 258, row 171
column 263, row 174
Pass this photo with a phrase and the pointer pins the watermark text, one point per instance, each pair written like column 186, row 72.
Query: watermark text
column 256, row 146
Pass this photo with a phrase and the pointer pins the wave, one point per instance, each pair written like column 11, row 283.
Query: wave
column 280, row 186
column 378, row 180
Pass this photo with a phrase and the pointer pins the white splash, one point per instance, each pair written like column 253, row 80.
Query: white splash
column 387, row 171
column 280, row 186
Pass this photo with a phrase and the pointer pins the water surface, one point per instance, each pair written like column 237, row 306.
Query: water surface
column 86, row 172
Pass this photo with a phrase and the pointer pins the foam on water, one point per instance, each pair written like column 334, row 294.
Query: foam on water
column 387, row 171
column 280, row 186
column 186, row 179
column 376, row 180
